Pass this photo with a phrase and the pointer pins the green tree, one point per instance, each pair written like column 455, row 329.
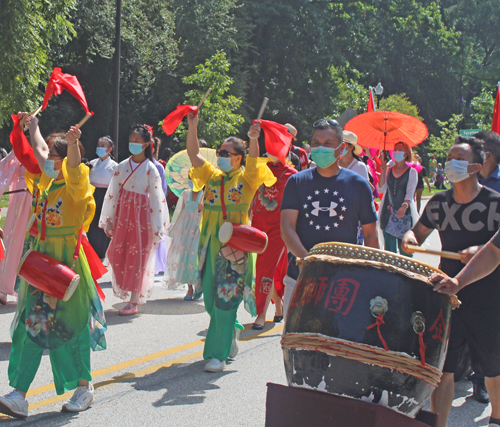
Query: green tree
column 482, row 107
column 218, row 117
column 440, row 145
column 400, row 103
column 28, row 30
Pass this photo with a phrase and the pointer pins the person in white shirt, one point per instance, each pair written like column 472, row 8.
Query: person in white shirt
column 103, row 169
column 350, row 158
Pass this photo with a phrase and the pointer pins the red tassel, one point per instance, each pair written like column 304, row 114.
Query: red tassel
column 378, row 323
column 422, row 347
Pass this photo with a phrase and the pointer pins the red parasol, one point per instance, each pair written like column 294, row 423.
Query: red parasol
column 384, row 129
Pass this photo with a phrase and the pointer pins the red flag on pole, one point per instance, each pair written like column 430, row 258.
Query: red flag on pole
column 277, row 139
column 174, row 119
column 495, row 126
column 58, row 82
column 371, row 102
column 22, row 148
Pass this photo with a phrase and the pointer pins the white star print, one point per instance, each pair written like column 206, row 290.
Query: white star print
column 316, row 192
column 327, row 227
column 341, row 199
column 311, row 222
column 307, row 215
column 326, row 190
column 335, row 193
column 336, row 225
column 344, row 208
column 309, row 197
column 318, row 227
column 341, row 217
column 305, row 206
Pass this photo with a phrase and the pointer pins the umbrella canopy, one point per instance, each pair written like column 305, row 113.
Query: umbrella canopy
column 384, row 129
column 177, row 170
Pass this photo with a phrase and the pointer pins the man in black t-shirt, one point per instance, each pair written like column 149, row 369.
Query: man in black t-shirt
column 466, row 216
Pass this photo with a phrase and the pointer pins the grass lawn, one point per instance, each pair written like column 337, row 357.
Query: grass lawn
column 4, row 201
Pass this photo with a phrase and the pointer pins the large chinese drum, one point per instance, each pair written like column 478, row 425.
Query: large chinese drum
column 366, row 324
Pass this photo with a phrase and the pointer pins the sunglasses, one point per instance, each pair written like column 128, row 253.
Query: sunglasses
column 225, row 153
column 328, row 122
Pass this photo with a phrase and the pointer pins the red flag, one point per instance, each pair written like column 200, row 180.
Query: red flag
column 174, row 119
column 22, row 148
column 495, row 126
column 371, row 102
column 58, row 82
column 277, row 139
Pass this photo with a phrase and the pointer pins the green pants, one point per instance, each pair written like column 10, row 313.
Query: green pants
column 222, row 322
column 392, row 244
column 70, row 363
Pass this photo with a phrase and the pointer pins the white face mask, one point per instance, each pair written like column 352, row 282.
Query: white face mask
column 456, row 170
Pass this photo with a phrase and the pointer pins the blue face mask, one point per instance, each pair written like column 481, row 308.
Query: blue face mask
column 101, row 151
column 308, row 155
column 224, row 164
column 398, row 156
column 323, row 156
column 190, row 183
column 48, row 167
column 135, row 148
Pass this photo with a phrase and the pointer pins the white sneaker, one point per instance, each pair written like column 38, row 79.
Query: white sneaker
column 235, row 347
column 82, row 398
column 14, row 404
column 215, row 365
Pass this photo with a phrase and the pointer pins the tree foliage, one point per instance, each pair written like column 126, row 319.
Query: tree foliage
column 440, row 145
column 29, row 29
column 217, row 115
column 400, row 103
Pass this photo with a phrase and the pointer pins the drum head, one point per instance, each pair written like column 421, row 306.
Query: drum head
column 71, row 288
column 226, row 232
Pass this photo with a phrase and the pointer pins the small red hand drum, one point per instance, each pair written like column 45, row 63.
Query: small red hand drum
column 243, row 237
column 48, row 275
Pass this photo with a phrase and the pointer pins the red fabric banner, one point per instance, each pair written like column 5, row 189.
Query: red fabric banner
column 495, row 126
column 277, row 139
column 22, row 148
column 371, row 103
column 174, row 119
column 58, row 82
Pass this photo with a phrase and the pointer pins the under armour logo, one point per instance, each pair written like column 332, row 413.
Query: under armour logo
column 318, row 208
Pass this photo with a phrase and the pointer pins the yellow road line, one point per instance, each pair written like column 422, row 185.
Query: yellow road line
column 129, row 363
column 145, row 371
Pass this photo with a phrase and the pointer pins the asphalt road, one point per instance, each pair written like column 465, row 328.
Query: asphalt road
column 152, row 372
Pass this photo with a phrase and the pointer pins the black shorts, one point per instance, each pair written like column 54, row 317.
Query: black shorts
column 481, row 331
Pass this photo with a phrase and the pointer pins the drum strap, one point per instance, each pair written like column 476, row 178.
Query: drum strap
column 224, row 213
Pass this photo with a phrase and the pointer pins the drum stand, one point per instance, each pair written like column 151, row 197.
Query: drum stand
column 298, row 407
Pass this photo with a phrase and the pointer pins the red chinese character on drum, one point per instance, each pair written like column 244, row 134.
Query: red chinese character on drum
column 439, row 327
column 341, row 295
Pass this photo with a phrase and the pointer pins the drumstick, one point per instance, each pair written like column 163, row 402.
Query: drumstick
column 444, row 254
column 262, row 108
column 84, row 120
column 205, row 97
column 16, row 191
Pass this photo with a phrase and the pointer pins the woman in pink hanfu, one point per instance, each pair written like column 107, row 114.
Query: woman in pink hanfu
column 18, row 213
column 135, row 216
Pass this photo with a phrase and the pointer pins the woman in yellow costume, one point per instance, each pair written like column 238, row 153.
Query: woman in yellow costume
column 68, row 329
column 225, row 284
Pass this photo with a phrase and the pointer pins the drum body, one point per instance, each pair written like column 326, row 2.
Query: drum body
column 48, row 275
column 366, row 324
column 243, row 237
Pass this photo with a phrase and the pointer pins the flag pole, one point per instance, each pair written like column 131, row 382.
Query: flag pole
column 205, row 97
column 84, row 120
column 35, row 112
column 262, row 108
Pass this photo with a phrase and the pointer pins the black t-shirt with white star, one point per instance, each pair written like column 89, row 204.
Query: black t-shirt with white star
column 329, row 208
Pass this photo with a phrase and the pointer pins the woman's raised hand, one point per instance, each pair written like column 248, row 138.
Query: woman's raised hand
column 193, row 119
column 254, row 131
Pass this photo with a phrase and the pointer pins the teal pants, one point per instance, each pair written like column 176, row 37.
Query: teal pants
column 392, row 244
column 222, row 322
column 70, row 362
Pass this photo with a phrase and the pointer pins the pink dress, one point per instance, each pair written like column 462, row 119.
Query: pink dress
column 136, row 211
column 18, row 213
